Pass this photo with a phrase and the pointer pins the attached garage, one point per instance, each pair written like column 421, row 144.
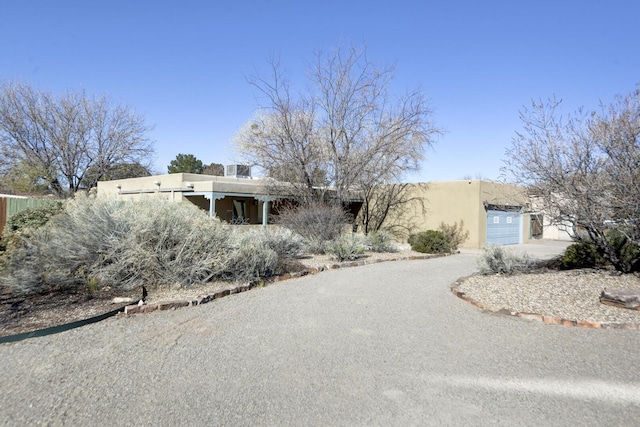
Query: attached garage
column 504, row 225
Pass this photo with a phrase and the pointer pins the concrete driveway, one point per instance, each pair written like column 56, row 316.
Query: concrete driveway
column 385, row 344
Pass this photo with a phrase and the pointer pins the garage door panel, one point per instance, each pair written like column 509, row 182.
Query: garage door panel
column 503, row 227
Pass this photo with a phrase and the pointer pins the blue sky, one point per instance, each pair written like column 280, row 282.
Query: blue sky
column 184, row 65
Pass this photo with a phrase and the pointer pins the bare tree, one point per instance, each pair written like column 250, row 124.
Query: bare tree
column 344, row 135
column 63, row 137
column 583, row 170
column 387, row 207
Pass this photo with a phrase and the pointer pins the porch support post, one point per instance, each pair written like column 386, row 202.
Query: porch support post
column 212, row 197
column 265, row 212
column 265, row 207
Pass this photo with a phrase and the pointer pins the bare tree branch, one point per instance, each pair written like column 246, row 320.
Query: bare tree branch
column 583, row 170
column 62, row 137
column 345, row 133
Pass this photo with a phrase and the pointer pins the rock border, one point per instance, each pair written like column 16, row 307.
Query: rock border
column 550, row 320
column 203, row 299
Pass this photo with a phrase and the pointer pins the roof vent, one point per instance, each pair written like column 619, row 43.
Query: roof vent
column 238, row 171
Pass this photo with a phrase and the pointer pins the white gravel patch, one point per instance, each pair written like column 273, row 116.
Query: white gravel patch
column 571, row 295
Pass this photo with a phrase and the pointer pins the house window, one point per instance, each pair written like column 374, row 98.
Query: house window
column 496, row 220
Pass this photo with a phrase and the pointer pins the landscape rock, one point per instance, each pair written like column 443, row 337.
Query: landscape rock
column 170, row 305
column 136, row 309
column 621, row 297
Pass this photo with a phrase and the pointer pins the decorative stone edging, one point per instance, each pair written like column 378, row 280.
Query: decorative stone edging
column 203, row 299
column 539, row 317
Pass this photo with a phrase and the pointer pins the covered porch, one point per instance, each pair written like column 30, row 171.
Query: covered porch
column 234, row 208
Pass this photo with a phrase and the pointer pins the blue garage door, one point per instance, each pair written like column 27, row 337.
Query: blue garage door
column 503, row 227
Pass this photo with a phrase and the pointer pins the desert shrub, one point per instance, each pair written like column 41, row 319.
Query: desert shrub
column 455, row 234
column 316, row 222
column 497, row 259
column 286, row 243
column 32, row 218
column 380, row 241
column 627, row 253
column 22, row 224
column 261, row 252
column 250, row 258
column 430, row 242
column 150, row 242
column 347, row 247
column 579, row 255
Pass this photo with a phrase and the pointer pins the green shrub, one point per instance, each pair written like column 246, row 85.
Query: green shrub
column 430, row 242
column 455, row 234
column 627, row 253
column 32, row 218
column 579, row 255
column 347, row 248
column 497, row 259
column 585, row 254
column 380, row 241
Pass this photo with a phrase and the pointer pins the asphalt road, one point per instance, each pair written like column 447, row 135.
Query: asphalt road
column 385, row 344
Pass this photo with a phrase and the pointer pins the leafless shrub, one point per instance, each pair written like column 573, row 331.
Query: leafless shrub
column 455, row 234
column 317, row 222
column 582, row 170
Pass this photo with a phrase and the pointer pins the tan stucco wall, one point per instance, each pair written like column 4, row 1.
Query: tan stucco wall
column 446, row 202
column 183, row 187
column 453, row 201
column 179, row 181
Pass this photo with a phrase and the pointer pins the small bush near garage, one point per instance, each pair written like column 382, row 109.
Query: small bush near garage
column 580, row 255
column 499, row 260
column 455, row 234
column 627, row 252
column 430, row 242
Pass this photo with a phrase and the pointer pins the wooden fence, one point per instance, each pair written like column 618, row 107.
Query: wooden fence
column 11, row 205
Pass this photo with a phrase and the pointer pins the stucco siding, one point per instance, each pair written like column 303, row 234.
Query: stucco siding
column 453, row 201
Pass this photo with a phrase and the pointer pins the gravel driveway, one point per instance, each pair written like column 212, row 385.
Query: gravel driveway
column 384, row 344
